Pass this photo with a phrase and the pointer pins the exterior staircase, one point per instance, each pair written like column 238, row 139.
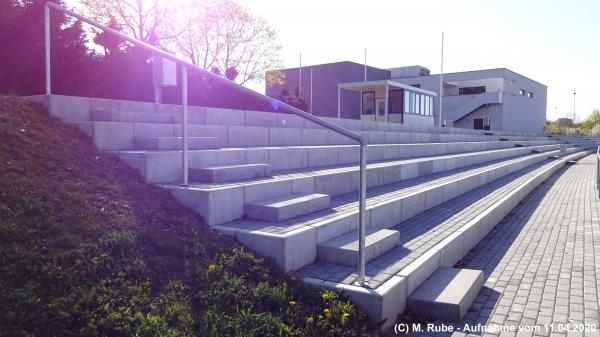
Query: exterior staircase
column 287, row 188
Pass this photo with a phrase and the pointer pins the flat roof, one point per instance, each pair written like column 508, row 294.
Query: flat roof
column 372, row 85
column 480, row 70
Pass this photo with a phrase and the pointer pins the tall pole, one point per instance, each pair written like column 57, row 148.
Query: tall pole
column 300, row 76
column 311, row 91
column 47, row 48
column 441, row 94
column 574, row 93
column 184, row 122
column 365, row 64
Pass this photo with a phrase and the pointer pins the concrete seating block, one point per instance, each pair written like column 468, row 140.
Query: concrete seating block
column 374, row 153
column 303, row 185
column 257, row 156
column 260, row 118
column 314, row 137
column 174, row 143
column 390, row 174
column 290, row 252
column 412, row 205
column 112, row 135
column 447, row 295
column 344, row 249
column 451, row 249
column 285, row 137
column 228, row 117
column 334, row 138
column 288, row 158
column 336, row 184
column 420, row 269
column 376, row 137
column 221, row 174
column 247, row 136
column 217, row 131
column 289, row 121
column 68, row 109
column 348, row 155
column 387, row 214
column 153, row 130
column 391, row 138
column 322, row 156
column 333, row 227
column 260, row 191
column 286, row 207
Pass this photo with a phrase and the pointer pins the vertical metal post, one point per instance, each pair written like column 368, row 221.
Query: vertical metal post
column 311, row 91
column 339, row 111
column 441, row 83
column 362, row 223
column 47, row 48
column 184, row 122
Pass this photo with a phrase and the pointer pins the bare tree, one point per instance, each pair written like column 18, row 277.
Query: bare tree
column 219, row 34
column 141, row 19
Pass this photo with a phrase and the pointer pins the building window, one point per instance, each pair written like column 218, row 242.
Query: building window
column 521, row 92
column 368, row 103
column 381, row 106
column 471, row 90
column 530, row 94
column 396, row 101
column 406, row 102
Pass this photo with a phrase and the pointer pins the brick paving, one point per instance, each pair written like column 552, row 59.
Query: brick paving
column 542, row 262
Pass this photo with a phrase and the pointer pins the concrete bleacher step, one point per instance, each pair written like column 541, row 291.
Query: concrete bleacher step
column 131, row 116
column 344, row 249
column 174, row 143
column 447, row 294
column 220, row 174
column 286, row 207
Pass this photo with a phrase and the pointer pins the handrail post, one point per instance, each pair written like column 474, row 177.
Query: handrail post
column 184, row 122
column 362, row 223
column 47, row 48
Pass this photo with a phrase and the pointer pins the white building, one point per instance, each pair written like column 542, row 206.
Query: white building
column 495, row 99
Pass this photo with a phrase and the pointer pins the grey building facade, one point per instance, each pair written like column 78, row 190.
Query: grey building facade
column 494, row 99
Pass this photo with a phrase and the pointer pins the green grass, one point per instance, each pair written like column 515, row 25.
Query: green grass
column 87, row 249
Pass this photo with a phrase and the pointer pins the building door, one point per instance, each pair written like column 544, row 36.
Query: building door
column 478, row 123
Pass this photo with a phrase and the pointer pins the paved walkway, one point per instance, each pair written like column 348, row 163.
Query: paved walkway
column 542, row 263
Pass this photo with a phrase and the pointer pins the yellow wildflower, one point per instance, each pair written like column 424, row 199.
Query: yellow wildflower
column 327, row 313
column 212, row 267
column 326, row 295
column 309, row 320
column 345, row 317
column 292, row 302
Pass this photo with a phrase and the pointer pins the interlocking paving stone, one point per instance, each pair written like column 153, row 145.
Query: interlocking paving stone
column 554, row 235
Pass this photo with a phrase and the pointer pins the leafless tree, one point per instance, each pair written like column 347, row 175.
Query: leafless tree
column 141, row 19
column 221, row 35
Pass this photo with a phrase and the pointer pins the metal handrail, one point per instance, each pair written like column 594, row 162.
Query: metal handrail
column 184, row 102
column 598, row 170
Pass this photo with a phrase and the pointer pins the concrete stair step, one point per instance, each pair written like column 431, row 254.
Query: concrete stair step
column 286, row 207
column 344, row 249
column 131, row 116
column 174, row 143
column 447, row 294
column 220, row 174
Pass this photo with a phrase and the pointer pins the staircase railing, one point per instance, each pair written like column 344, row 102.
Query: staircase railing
column 598, row 170
column 184, row 103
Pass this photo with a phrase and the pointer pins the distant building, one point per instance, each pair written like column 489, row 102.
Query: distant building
column 565, row 121
column 495, row 99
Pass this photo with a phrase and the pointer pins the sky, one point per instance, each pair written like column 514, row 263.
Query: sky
column 556, row 43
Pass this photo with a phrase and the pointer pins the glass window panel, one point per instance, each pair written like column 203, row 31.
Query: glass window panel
column 414, row 102
column 368, row 103
column 406, row 102
column 395, row 104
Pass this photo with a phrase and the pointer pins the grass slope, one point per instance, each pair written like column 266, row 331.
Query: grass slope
column 87, row 249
